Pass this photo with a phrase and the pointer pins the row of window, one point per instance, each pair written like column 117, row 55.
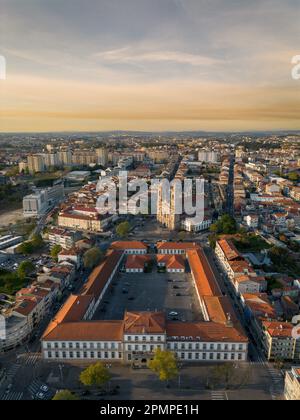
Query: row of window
column 84, row 355
column 143, row 338
column 204, row 346
column 119, row 355
column 84, row 345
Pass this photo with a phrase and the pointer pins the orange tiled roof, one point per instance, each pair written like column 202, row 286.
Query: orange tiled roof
column 87, row 330
column 137, row 261
column 144, row 322
column 101, row 274
column 204, row 331
column 278, row 329
column 122, row 245
column 176, row 245
column 205, row 280
column 172, row 261
column 230, row 251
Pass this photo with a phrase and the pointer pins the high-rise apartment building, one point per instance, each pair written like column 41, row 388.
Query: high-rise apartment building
column 102, row 155
column 36, row 163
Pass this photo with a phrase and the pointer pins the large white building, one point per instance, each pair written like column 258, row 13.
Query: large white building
column 73, row 335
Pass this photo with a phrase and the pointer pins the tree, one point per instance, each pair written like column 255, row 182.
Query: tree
column 164, row 365
column 92, row 258
column 95, row 375
column 55, row 251
column 65, row 395
column 223, row 374
column 225, row 225
column 25, row 268
column 123, row 229
column 293, row 176
column 181, row 236
column 37, row 241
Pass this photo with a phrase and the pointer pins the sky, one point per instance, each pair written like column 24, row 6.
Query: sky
column 96, row 65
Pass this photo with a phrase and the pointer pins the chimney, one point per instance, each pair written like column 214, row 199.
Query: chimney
column 229, row 323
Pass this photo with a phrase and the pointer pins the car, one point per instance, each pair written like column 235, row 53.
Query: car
column 173, row 313
column 44, row 388
column 40, row 396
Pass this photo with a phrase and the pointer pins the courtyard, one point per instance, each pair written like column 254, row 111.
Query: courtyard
column 167, row 292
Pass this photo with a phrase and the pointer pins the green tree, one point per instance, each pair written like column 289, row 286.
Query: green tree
column 95, row 375
column 181, row 236
column 123, row 229
column 293, row 176
column 92, row 258
column 164, row 365
column 37, row 241
column 223, row 374
column 55, row 250
column 65, row 395
column 226, row 225
column 26, row 248
column 25, row 268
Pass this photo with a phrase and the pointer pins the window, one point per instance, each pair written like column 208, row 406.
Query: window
column 136, row 338
column 49, row 354
column 240, row 356
column 77, row 345
column 56, row 345
column 129, row 338
column 190, row 356
column 225, row 356
column 78, row 354
column 144, row 338
column 211, row 356
column 56, row 355
column 158, row 338
column 197, row 356
column 232, row 356
column 218, row 356
column 70, row 345
column 106, row 355
column 71, row 355
column 129, row 347
column 48, row 345
column 92, row 355
column 182, row 356
column 204, row 356
column 85, row 355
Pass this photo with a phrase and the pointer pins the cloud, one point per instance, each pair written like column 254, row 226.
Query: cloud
column 131, row 55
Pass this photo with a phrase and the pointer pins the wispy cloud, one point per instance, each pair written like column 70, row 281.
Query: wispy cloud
column 131, row 55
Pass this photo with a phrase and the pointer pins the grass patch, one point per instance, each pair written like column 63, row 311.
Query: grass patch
column 10, row 282
column 251, row 243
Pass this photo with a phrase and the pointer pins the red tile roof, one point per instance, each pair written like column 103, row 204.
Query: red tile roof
column 144, row 323
column 123, row 245
column 137, row 261
column 204, row 331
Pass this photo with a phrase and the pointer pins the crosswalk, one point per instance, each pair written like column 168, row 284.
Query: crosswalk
column 11, row 373
column 219, row 396
column 36, row 387
column 12, row 396
column 277, row 379
column 30, row 359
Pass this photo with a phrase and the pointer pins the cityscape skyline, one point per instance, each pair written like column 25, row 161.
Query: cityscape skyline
column 176, row 65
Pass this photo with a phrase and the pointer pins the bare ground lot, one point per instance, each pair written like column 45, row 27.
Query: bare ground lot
column 10, row 217
column 151, row 292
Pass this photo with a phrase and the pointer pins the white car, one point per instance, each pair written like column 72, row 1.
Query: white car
column 173, row 313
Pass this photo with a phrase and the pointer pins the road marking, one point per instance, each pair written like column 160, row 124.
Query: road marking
column 219, row 396
column 12, row 396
